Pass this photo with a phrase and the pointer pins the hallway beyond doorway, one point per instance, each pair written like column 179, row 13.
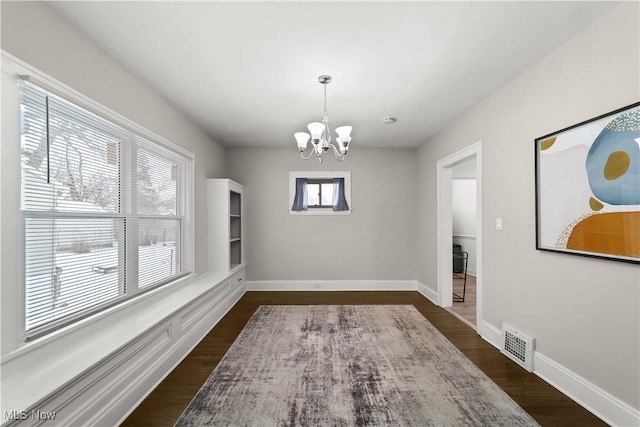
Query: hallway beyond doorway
column 465, row 311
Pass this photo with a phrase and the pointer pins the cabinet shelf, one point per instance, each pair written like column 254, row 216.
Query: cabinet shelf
column 225, row 225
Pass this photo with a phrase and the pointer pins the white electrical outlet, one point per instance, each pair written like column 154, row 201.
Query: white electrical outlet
column 498, row 223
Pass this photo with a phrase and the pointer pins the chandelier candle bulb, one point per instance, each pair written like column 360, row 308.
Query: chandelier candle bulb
column 321, row 134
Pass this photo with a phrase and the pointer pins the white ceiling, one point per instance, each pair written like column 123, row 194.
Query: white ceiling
column 247, row 72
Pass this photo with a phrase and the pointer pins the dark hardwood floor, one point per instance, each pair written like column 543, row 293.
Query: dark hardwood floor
column 547, row 405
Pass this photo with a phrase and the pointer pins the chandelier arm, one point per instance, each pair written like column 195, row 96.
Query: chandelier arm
column 308, row 157
column 339, row 156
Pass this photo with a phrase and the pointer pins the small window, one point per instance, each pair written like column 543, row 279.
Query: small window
column 320, row 193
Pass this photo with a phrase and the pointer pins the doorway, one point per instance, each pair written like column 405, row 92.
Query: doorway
column 447, row 169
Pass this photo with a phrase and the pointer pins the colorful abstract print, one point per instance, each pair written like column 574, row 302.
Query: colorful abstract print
column 603, row 199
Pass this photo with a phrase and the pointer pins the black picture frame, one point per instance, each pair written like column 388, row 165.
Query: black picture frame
column 587, row 187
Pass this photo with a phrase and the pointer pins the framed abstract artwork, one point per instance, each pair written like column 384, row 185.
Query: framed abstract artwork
column 588, row 188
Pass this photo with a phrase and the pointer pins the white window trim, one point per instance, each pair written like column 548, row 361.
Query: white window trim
column 21, row 70
column 293, row 175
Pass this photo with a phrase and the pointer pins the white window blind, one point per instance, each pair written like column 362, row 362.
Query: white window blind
column 103, row 211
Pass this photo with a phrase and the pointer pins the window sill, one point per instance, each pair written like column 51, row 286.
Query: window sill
column 40, row 367
column 315, row 212
column 180, row 286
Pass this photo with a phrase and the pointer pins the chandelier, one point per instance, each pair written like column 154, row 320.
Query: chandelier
column 321, row 134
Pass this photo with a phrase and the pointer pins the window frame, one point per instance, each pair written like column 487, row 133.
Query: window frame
column 185, row 212
column 320, row 176
column 319, row 182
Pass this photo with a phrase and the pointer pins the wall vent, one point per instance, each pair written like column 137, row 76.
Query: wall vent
column 518, row 347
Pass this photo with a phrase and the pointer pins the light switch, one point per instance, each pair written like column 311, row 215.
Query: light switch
column 498, row 223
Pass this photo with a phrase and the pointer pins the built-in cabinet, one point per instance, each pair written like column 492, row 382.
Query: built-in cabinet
column 225, row 236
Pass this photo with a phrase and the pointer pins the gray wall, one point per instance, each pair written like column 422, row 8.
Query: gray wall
column 583, row 312
column 377, row 241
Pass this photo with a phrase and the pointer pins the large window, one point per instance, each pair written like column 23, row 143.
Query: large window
column 103, row 211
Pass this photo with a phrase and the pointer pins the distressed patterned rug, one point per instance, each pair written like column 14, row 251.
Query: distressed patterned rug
column 348, row 365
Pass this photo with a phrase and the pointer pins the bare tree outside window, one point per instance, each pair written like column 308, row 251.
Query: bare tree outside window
column 87, row 186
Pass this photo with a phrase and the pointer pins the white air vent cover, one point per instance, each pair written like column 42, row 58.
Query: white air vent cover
column 517, row 347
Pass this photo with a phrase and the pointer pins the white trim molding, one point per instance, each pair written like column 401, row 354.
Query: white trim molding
column 597, row 401
column 464, row 236
column 112, row 387
column 490, row 333
column 427, row 292
column 331, row 285
column 594, row 399
column 344, row 285
column 444, row 237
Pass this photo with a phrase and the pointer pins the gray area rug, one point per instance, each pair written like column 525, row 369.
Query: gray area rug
column 348, row 365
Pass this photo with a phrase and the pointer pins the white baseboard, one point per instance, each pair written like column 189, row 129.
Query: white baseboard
column 597, row 401
column 344, row 285
column 490, row 334
column 331, row 285
column 108, row 392
column 591, row 397
column 427, row 292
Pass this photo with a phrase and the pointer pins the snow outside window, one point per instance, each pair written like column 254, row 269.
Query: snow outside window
column 103, row 211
